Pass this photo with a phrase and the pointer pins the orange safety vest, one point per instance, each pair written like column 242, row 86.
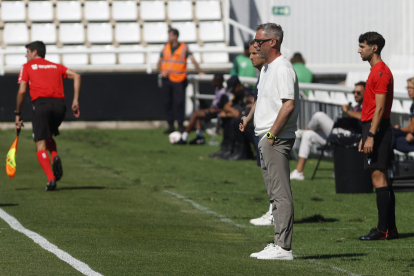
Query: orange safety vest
column 175, row 64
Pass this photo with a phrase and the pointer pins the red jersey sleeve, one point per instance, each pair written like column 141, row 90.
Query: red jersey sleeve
column 24, row 74
column 382, row 83
column 63, row 70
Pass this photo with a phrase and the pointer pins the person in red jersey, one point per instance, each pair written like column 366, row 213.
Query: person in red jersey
column 46, row 91
column 376, row 133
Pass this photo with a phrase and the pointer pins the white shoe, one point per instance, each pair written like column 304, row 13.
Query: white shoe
column 297, row 175
column 269, row 247
column 266, row 219
column 276, row 253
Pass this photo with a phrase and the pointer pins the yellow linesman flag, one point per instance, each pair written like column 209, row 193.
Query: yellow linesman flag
column 11, row 159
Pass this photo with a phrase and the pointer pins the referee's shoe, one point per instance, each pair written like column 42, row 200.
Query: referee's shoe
column 57, row 167
column 374, row 234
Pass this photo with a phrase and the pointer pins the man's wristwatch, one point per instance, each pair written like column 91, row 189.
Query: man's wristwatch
column 370, row 134
column 270, row 136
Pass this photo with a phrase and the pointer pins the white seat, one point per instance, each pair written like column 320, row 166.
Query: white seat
column 15, row 34
column 127, row 33
column 100, row 33
column 96, row 11
column 44, row 32
column 208, row 10
column 13, row 11
column 124, row 11
column 322, row 96
column 407, row 105
column 68, row 11
column 71, row 33
column 351, row 99
column 215, row 57
column 103, row 58
column 180, row 10
column 211, row 31
column 131, row 58
column 41, row 11
column 397, row 107
column 152, row 10
column 75, row 59
column 156, row 32
column 338, row 98
column 197, row 56
column 16, row 59
column 155, row 55
column 55, row 58
column 187, row 31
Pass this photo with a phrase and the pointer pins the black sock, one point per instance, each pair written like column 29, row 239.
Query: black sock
column 391, row 214
column 383, row 206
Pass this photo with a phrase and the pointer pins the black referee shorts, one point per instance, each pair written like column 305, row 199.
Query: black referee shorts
column 382, row 142
column 48, row 114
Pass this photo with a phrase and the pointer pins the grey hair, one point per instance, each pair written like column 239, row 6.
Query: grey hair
column 271, row 30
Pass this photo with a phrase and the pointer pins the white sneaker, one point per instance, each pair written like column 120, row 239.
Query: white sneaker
column 266, row 219
column 297, row 175
column 269, row 247
column 276, row 253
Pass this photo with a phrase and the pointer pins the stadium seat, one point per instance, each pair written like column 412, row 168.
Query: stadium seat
column 339, row 98
column 208, row 10
column 180, row 10
column 351, row 99
column 15, row 34
column 74, row 59
column 406, row 106
column 108, row 59
column 187, row 31
column 52, row 57
column 197, row 56
column 96, row 11
column 16, row 59
column 396, row 106
column 71, row 33
column 152, row 10
column 124, row 11
column 127, row 33
column 44, row 32
column 155, row 32
column 215, row 57
column 155, row 55
column 41, row 11
column 68, row 11
column 100, row 33
column 13, row 11
column 211, row 31
column 322, row 96
column 131, row 58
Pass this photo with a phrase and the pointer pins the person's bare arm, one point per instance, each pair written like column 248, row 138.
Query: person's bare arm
column 410, row 127
column 247, row 119
column 21, row 93
column 354, row 114
column 380, row 101
column 72, row 75
column 230, row 111
column 282, row 118
column 197, row 67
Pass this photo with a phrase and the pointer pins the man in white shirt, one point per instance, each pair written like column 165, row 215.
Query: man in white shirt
column 275, row 120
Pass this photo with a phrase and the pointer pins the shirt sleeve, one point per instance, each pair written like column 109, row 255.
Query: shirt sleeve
column 23, row 75
column 285, row 82
column 64, row 70
column 382, row 82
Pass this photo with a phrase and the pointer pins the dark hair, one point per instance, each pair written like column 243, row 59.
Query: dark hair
column 219, row 78
column 297, row 57
column 373, row 38
column 363, row 83
column 271, row 30
column 251, row 43
column 39, row 46
column 174, row 32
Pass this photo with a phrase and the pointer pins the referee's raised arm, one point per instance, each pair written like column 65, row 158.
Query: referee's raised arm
column 72, row 75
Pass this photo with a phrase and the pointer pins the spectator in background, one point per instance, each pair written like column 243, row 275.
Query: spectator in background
column 303, row 73
column 222, row 97
column 402, row 137
column 172, row 66
column 242, row 65
column 321, row 121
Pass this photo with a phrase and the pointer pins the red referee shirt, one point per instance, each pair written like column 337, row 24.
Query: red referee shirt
column 44, row 78
column 380, row 81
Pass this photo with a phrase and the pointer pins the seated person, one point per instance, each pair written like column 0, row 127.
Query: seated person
column 321, row 120
column 221, row 98
column 402, row 137
column 230, row 117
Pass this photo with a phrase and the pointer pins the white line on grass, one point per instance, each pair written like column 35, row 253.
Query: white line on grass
column 332, row 267
column 45, row 244
column 205, row 209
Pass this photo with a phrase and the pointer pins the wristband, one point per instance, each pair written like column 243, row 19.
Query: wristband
column 370, row 134
column 17, row 113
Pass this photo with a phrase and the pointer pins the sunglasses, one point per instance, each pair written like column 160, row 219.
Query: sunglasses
column 357, row 92
column 261, row 41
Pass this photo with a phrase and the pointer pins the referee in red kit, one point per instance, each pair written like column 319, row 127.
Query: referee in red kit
column 46, row 92
column 376, row 133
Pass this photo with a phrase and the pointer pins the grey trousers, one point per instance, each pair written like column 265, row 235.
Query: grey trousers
column 276, row 173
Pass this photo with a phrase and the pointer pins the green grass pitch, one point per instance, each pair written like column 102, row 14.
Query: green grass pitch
column 111, row 211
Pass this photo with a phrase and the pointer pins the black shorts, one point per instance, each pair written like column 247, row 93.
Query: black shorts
column 48, row 114
column 382, row 142
column 210, row 115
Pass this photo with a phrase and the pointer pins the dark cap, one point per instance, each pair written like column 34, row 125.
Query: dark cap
column 232, row 82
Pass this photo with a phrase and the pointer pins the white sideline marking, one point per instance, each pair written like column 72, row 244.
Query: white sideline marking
column 205, row 209
column 295, row 227
column 333, row 267
column 45, row 244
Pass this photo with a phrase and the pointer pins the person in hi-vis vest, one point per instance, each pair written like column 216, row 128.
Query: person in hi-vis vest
column 173, row 70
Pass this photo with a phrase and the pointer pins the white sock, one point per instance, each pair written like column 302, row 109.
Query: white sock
column 270, row 208
column 184, row 136
column 199, row 133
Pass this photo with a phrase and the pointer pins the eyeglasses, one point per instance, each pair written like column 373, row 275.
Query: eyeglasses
column 357, row 92
column 261, row 41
